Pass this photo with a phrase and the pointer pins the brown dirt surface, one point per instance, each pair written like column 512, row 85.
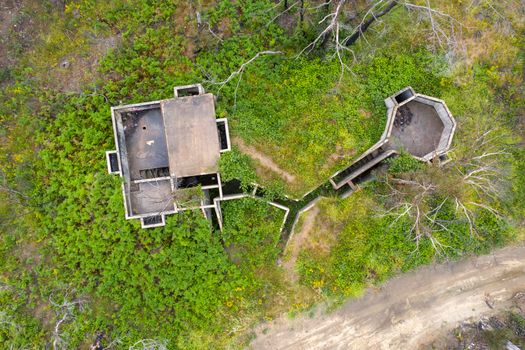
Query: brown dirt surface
column 74, row 71
column 263, row 160
column 16, row 30
column 339, row 154
column 408, row 311
column 7, row 14
column 296, row 242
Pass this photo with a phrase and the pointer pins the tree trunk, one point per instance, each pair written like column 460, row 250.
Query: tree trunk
column 364, row 26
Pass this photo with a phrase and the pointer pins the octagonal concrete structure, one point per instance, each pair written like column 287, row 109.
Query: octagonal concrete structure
column 418, row 124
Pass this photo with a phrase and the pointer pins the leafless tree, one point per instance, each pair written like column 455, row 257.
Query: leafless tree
column 64, row 307
column 239, row 72
column 445, row 29
column 335, row 27
column 471, row 182
column 332, row 26
column 149, row 344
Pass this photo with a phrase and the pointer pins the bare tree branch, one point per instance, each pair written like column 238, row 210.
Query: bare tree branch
column 334, row 17
column 149, row 344
column 212, row 32
column 65, row 311
column 363, row 26
column 471, row 183
column 282, row 13
column 444, row 27
column 239, row 72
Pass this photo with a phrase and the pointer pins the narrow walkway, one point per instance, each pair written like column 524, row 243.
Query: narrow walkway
column 297, row 243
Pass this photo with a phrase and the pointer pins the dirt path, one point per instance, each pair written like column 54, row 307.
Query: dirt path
column 9, row 11
column 296, row 243
column 407, row 311
column 263, row 159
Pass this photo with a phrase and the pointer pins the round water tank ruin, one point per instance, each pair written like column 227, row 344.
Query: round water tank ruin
column 420, row 125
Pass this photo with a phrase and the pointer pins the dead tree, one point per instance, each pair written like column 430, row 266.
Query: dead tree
column 469, row 183
column 239, row 72
column 336, row 30
column 149, row 344
column 64, row 307
column 363, row 26
column 445, row 29
column 335, row 27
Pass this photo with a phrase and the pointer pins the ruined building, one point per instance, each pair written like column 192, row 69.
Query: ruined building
column 167, row 153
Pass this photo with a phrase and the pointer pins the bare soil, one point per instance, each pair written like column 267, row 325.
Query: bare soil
column 15, row 31
column 409, row 311
column 296, row 242
column 75, row 71
column 263, row 160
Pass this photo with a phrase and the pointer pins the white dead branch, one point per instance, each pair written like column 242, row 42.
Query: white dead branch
column 469, row 184
column 212, row 32
column 65, row 311
column 335, row 25
column 273, row 7
column 333, row 18
column 149, row 344
column 239, row 72
column 445, row 28
column 112, row 344
column 320, row 6
column 283, row 12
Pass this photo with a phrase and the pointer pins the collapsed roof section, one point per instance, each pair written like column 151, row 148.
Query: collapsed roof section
column 167, row 152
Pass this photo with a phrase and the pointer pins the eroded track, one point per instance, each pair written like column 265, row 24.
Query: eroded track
column 409, row 310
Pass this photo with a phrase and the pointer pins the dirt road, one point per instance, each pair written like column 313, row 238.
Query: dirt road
column 410, row 310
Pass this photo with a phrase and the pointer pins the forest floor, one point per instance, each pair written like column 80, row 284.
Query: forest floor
column 410, row 311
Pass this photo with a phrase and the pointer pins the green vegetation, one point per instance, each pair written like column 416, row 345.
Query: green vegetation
column 366, row 250
column 360, row 243
column 251, row 232
column 404, row 163
column 66, row 249
column 236, row 165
